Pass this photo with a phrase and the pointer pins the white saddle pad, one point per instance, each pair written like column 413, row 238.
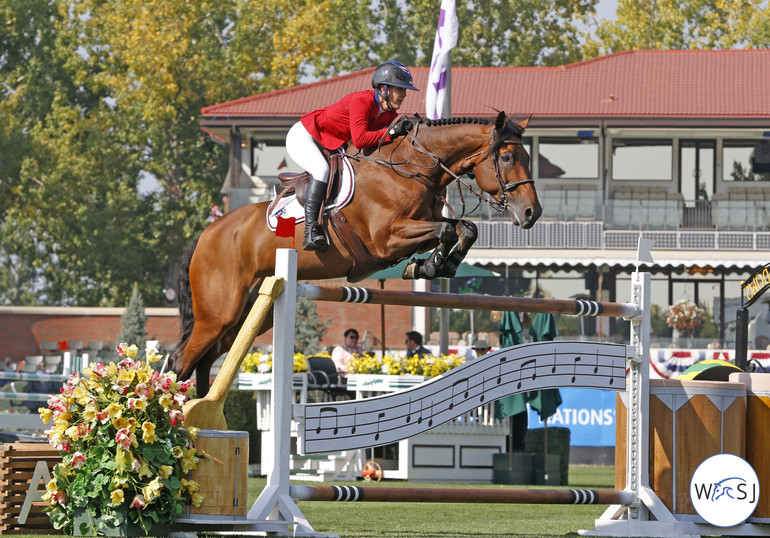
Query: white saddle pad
column 288, row 206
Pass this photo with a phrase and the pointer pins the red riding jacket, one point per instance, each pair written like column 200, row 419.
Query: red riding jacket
column 354, row 117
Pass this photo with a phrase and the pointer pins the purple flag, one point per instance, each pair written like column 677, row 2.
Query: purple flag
column 446, row 39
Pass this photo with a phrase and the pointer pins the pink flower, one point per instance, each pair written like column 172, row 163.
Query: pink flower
column 180, row 399
column 103, row 417
column 184, row 386
column 175, row 417
column 59, row 497
column 138, row 502
column 78, row 459
column 123, row 438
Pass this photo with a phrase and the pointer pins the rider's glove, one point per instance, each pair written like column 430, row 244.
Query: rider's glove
column 400, row 129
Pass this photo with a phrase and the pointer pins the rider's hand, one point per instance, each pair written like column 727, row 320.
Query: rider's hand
column 400, row 129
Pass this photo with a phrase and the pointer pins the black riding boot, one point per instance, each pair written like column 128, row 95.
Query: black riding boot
column 314, row 233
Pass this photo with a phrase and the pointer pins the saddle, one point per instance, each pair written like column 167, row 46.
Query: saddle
column 363, row 261
column 292, row 183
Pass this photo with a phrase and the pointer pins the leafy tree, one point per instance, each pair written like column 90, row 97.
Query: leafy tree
column 134, row 323
column 667, row 24
column 309, row 329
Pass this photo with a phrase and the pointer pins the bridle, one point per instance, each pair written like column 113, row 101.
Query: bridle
column 499, row 203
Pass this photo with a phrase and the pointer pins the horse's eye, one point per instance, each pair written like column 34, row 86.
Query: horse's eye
column 506, row 157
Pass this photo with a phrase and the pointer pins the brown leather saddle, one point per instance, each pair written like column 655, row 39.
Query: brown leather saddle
column 363, row 261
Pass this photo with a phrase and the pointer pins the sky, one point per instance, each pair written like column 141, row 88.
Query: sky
column 605, row 9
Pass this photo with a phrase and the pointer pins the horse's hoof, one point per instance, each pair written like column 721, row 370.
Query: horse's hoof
column 410, row 271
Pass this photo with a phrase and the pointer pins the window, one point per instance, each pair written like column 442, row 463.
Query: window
column 738, row 157
column 569, row 158
column 641, row 160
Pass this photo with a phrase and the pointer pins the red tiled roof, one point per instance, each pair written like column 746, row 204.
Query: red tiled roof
column 678, row 83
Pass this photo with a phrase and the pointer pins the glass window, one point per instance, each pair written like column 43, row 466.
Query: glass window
column 641, row 159
column 738, row 157
column 569, row 157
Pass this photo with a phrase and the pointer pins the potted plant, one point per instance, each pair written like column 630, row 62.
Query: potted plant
column 125, row 454
column 686, row 317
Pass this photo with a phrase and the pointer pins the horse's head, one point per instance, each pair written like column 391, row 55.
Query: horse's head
column 503, row 171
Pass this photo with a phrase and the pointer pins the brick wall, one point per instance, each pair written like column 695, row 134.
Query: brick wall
column 22, row 329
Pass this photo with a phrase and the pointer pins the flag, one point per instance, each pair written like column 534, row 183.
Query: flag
column 643, row 251
column 283, row 164
column 285, row 228
column 446, row 39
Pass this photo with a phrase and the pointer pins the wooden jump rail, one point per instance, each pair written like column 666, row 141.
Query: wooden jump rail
column 461, row 495
column 347, row 294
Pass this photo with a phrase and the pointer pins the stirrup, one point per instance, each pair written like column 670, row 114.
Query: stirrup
column 314, row 238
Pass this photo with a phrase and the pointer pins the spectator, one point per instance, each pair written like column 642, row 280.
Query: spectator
column 414, row 345
column 342, row 355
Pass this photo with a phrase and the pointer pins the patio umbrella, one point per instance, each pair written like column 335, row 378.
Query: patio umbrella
column 464, row 270
column 515, row 405
column 545, row 402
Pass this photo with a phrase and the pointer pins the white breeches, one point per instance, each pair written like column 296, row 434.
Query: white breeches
column 303, row 150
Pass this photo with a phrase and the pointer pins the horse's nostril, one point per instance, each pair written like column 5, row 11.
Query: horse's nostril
column 528, row 212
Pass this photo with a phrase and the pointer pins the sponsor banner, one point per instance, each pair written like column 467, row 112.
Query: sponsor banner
column 588, row 413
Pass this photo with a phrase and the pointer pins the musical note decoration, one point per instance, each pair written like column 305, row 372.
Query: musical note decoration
column 351, row 424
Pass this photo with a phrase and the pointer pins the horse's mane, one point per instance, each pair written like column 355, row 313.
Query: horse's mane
column 452, row 121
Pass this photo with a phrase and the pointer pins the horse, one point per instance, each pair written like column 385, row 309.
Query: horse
column 396, row 212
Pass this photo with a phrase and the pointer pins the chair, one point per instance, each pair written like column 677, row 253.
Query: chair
column 75, row 346
column 322, row 375
column 47, row 346
column 95, row 346
column 53, row 363
column 30, row 363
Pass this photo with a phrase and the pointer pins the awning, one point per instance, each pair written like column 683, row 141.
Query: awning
column 666, row 261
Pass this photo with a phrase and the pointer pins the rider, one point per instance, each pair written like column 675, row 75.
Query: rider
column 362, row 117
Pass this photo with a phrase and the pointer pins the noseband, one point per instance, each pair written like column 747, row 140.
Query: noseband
column 501, row 203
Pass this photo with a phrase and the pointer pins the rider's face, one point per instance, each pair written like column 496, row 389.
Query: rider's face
column 395, row 95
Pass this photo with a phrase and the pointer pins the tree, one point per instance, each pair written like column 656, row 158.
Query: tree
column 309, row 329
column 134, row 323
column 667, row 24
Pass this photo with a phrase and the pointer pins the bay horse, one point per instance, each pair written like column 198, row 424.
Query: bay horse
column 396, row 212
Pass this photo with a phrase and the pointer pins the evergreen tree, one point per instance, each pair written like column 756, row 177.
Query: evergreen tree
column 134, row 323
column 309, row 328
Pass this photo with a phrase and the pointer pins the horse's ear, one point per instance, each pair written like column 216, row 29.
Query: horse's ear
column 500, row 121
column 523, row 124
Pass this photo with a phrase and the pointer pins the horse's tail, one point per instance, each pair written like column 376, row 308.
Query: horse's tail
column 184, row 296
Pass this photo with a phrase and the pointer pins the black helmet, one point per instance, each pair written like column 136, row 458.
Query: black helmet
column 393, row 74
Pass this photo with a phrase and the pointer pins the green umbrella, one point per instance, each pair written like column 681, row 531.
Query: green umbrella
column 545, row 402
column 510, row 335
column 464, row 270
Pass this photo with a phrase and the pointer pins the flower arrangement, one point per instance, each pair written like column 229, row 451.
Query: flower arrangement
column 686, row 317
column 125, row 456
column 262, row 363
column 428, row 366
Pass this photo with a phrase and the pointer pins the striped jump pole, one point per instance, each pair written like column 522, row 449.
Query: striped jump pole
column 461, row 495
column 347, row 294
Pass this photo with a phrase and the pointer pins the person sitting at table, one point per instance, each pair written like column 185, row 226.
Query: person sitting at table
column 342, row 355
column 414, row 345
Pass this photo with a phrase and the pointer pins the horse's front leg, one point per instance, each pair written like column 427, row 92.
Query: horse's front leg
column 467, row 233
column 431, row 267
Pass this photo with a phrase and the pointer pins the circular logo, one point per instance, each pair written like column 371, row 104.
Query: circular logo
column 724, row 490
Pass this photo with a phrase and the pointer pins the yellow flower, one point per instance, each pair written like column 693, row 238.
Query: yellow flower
column 190, row 485
column 166, row 400
column 112, row 370
column 63, row 469
column 197, row 499
column 114, row 410
column 152, row 490
column 165, row 470
column 148, row 432
column 144, row 470
column 131, row 351
column 192, row 431
column 72, row 432
column 89, row 413
column 120, row 458
column 45, row 414
column 189, row 461
column 153, row 356
column 116, row 497
column 177, row 452
column 120, row 423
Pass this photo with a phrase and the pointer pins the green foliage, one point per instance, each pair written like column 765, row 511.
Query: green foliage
column 134, row 322
column 240, row 413
column 658, row 324
column 309, row 329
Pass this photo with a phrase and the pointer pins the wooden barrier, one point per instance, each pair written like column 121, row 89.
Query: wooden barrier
column 22, row 481
column 460, row 495
column 346, row 294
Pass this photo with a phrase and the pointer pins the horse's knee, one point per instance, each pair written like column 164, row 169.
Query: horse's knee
column 468, row 232
column 447, row 234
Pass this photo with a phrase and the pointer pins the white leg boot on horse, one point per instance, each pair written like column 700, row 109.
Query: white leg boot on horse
column 315, row 239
